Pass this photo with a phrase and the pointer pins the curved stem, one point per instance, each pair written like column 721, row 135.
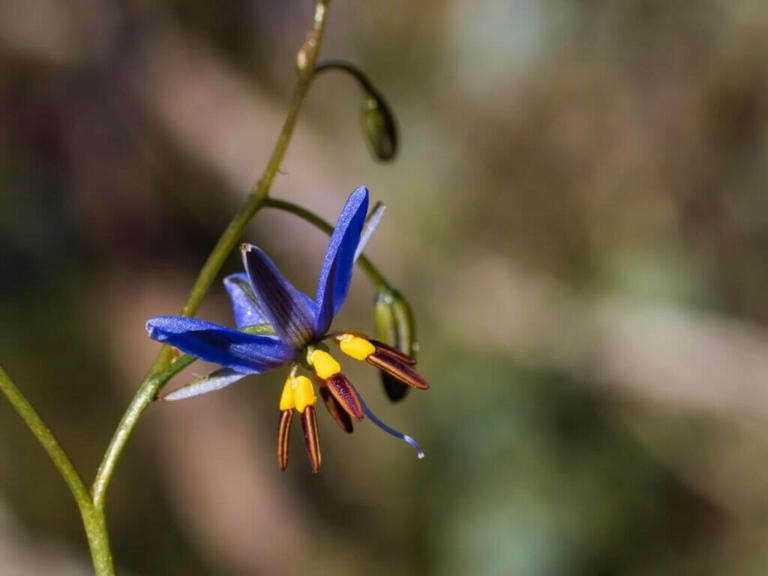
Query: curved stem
column 307, row 59
column 352, row 70
column 373, row 273
column 93, row 520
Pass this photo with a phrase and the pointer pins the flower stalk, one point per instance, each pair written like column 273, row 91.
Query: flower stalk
column 93, row 519
column 91, row 504
column 226, row 243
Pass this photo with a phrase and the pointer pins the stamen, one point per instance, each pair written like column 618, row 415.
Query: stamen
column 355, row 346
column 287, row 401
column 346, row 395
column 392, row 431
column 303, row 393
column 401, row 371
column 324, row 364
column 335, row 409
column 311, row 438
column 284, row 429
column 386, row 350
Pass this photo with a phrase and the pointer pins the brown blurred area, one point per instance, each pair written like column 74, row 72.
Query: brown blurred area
column 578, row 215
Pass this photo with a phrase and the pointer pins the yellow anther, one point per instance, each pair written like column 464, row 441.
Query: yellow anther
column 324, row 364
column 303, row 393
column 286, row 398
column 356, row 347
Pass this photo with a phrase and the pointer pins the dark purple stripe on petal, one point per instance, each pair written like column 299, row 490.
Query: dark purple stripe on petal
column 247, row 309
column 287, row 308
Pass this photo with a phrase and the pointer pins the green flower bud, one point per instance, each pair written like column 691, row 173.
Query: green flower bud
column 379, row 127
column 376, row 118
column 394, row 326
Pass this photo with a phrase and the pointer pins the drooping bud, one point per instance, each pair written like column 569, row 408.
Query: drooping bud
column 395, row 327
column 376, row 117
column 379, row 126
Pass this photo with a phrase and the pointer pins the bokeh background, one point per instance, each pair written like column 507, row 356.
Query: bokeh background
column 578, row 215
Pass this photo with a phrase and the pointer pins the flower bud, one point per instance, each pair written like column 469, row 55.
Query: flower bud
column 394, row 326
column 379, row 127
column 376, row 117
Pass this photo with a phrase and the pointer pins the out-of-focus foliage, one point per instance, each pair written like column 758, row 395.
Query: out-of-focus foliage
column 578, row 214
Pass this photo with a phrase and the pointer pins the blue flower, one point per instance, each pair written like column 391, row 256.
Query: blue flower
column 277, row 325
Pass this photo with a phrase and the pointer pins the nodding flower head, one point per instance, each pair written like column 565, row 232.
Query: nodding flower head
column 279, row 326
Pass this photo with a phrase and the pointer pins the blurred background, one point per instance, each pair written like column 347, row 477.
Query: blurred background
column 578, row 215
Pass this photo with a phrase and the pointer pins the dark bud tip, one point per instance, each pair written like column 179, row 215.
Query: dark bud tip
column 394, row 389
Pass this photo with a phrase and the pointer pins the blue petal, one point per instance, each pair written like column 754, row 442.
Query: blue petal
column 336, row 273
column 246, row 353
column 287, row 309
column 246, row 307
column 217, row 380
column 371, row 222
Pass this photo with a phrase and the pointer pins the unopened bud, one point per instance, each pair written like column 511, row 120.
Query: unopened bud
column 394, row 326
column 379, row 127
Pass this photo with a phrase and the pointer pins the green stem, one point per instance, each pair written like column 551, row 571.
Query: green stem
column 373, row 273
column 228, row 240
column 350, row 69
column 93, row 519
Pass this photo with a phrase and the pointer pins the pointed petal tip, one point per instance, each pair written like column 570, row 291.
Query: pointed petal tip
column 336, row 271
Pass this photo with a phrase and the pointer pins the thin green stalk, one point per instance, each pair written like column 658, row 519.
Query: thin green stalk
column 373, row 273
column 93, row 520
column 227, row 242
column 352, row 70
